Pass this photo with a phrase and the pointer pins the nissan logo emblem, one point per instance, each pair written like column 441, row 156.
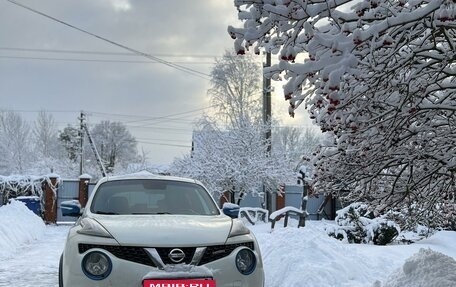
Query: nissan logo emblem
column 176, row 255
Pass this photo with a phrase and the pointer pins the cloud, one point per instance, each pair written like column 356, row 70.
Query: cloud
column 121, row 5
column 174, row 30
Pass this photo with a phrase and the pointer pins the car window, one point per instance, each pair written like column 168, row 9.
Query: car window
column 140, row 196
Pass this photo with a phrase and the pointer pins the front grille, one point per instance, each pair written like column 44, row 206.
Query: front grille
column 139, row 255
column 219, row 251
column 129, row 253
column 164, row 252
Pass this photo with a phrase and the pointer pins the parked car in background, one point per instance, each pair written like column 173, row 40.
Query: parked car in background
column 155, row 231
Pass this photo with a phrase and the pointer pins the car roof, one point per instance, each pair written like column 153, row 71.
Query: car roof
column 147, row 175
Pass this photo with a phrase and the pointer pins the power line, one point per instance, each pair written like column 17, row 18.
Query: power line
column 98, row 60
column 85, row 52
column 178, row 120
column 161, row 140
column 169, row 64
column 162, row 119
column 153, row 118
column 146, row 118
column 162, row 144
column 37, row 111
column 168, row 129
column 92, row 113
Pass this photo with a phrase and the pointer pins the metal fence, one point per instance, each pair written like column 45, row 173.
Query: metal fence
column 68, row 190
column 294, row 196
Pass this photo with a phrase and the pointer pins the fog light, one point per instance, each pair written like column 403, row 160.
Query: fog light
column 96, row 265
column 245, row 261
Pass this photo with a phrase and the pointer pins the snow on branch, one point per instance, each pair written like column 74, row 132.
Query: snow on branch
column 378, row 77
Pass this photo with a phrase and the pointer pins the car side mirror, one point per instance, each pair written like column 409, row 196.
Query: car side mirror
column 71, row 208
column 231, row 209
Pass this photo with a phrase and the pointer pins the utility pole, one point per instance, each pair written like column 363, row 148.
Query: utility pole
column 95, row 151
column 267, row 101
column 81, row 142
column 85, row 130
column 267, row 121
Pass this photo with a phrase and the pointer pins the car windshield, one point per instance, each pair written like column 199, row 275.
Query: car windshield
column 151, row 196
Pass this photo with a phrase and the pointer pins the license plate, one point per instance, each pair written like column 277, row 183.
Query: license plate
column 179, row 283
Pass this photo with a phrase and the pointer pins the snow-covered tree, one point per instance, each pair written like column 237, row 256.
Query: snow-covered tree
column 378, row 77
column 115, row 144
column 233, row 160
column 69, row 138
column 294, row 142
column 236, row 90
column 50, row 152
column 296, row 146
column 45, row 135
column 15, row 148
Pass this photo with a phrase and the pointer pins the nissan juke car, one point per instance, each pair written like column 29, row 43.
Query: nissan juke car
column 157, row 231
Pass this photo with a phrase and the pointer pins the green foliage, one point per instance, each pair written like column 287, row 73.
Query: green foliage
column 357, row 225
column 384, row 234
column 69, row 138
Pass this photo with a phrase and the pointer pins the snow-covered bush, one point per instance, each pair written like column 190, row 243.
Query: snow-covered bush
column 357, row 225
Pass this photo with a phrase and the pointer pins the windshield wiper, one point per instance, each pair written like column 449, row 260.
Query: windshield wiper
column 149, row 213
column 106, row 212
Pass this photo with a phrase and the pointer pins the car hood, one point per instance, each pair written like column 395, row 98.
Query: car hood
column 167, row 230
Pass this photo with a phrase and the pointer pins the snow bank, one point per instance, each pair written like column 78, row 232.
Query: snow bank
column 426, row 268
column 296, row 257
column 19, row 225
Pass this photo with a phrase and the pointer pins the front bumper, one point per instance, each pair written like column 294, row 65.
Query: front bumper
column 128, row 273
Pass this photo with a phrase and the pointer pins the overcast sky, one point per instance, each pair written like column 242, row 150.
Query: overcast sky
column 42, row 67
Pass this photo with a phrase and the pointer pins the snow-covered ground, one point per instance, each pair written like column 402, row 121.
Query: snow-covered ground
column 308, row 257
column 30, row 251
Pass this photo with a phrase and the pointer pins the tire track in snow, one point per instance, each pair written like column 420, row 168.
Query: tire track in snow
column 35, row 264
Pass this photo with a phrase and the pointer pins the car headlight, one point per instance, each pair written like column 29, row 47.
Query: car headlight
column 238, row 228
column 96, row 265
column 93, row 228
column 245, row 261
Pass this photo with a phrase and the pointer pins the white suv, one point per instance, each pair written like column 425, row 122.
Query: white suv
column 155, row 231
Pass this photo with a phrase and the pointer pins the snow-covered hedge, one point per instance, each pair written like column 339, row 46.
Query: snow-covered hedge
column 15, row 186
column 19, row 185
column 357, row 225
